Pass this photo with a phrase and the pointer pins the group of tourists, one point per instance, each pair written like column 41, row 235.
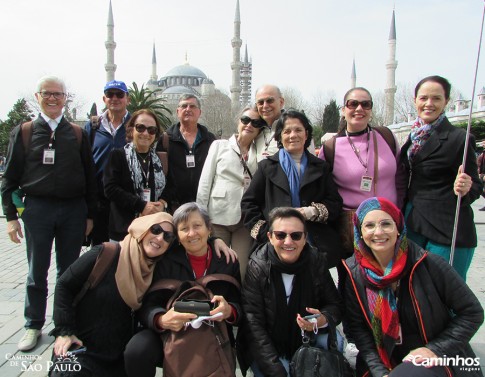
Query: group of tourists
column 254, row 223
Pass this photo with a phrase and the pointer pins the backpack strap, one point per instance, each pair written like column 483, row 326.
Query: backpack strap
column 388, row 136
column 104, row 261
column 205, row 280
column 329, row 150
column 95, row 123
column 163, row 154
column 78, row 132
column 170, row 284
column 27, row 129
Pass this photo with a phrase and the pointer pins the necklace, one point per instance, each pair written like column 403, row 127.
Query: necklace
column 143, row 156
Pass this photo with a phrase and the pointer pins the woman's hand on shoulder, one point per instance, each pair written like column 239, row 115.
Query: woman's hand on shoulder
column 63, row 343
column 220, row 248
column 422, row 355
column 152, row 207
column 174, row 321
column 463, row 183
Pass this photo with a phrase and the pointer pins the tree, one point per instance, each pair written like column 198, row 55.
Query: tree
column 144, row 98
column 331, row 117
column 294, row 99
column 216, row 114
column 317, row 135
column 19, row 114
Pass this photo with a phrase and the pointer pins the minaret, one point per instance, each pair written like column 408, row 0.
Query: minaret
column 353, row 76
column 110, row 44
column 391, row 66
column 236, row 62
column 246, row 78
column 153, row 81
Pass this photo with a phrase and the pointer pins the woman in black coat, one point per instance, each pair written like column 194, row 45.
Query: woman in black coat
column 295, row 178
column 286, row 280
column 102, row 321
column 408, row 311
column 432, row 156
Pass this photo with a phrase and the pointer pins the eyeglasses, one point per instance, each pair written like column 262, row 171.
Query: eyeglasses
column 281, row 236
column 269, row 101
column 156, row 229
column 352, row 104
column 189, row 106
column 257, row 123
column 142, row 128
column 387, row 226
column 47, row 95
column 116, row 94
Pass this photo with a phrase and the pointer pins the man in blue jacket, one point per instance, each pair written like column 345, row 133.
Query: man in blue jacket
column 107, row 132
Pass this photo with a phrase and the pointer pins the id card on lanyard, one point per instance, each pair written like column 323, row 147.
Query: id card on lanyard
column 49, row 153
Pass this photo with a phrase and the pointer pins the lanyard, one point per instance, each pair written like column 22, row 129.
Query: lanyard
column 357, row 152
column 243, row 162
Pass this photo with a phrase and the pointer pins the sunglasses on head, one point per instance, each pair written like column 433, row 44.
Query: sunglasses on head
column 257, row 123
column 113, row 94
column 352, row 104
column 156, row 229
column 281, row 236
column 142, row 128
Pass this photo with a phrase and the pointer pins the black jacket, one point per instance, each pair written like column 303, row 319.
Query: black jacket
column 182, row 182
column 431, row 186
column 102, row 320
column 71, row 176
column 175, row 265
column 255, row 338
column 435, row 289
column 270, row 188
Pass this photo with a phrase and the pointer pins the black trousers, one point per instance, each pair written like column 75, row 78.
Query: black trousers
column 143, row 354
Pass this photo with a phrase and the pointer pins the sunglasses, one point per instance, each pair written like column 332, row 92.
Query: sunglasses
column 257, row 123
column 281, row 236
column 156, row 229
column 142, row 128
column 113, row 94
column 269, row 101
column 352, row 104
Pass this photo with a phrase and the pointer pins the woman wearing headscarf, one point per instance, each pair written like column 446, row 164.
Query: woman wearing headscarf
column 133, row 177
column 432, row 155
column 102, row 320
column 408, row 310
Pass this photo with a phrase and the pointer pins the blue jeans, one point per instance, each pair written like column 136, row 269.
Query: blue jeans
column 44, row 220
column 321, row 342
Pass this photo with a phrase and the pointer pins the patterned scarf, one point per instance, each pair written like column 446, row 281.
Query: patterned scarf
column 420, row 132
column 291, row 171
column 378, row 283
column 136, row 171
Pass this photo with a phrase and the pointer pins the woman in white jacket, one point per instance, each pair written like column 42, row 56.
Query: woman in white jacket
column 227, row 172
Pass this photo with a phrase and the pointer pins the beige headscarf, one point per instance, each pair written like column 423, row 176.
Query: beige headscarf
column 135, row 271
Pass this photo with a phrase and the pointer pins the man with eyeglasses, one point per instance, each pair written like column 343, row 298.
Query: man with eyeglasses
column 107, row 132
column 189, row 144
column 54, row 167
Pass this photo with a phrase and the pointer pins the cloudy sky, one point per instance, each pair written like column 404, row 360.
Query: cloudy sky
column 305, row 44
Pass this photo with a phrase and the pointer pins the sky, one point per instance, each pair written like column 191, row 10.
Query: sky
column 306, row 44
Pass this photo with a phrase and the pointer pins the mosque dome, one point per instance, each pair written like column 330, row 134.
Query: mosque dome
column 186, row 70
column 180, row 89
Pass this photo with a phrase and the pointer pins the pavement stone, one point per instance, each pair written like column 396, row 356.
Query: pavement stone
column 13, row 270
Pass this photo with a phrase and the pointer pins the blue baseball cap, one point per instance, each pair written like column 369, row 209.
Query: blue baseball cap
column 119, row 85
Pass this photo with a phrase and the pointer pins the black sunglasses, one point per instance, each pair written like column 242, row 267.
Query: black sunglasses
column 113, row 94
column 156, row 229
column 257, row 123
column 281, row 236
column 352, row 104
column 142, row 128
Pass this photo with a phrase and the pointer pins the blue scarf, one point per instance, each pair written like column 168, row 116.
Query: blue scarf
column 291, row 171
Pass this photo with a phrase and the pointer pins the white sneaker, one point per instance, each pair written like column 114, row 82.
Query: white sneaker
column 29, row 340
column 351, row 353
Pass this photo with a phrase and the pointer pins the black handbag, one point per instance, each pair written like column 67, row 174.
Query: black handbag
column 309, row 361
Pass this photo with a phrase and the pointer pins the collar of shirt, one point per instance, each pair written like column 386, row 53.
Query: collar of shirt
column 53, row 123
column 106, row 124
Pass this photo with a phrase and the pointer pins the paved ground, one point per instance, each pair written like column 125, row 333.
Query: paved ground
column 13, row 268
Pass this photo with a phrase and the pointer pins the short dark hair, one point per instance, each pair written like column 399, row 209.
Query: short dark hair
column 445, row 84
column 285, row 213
column 294, row 114
column 131, row 124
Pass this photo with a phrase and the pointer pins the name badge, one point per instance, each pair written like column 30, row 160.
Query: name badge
column 49, row 157
column 146, row 194
column 190, row 160
column 366, row 183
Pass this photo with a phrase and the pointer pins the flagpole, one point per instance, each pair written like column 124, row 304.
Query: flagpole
column 468, row 129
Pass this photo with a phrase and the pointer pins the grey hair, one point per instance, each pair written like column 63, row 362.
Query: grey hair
column 183, row 212
column 51, row 79
column 185, row 96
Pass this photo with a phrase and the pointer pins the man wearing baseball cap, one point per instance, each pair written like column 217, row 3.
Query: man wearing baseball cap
column 107, row 132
